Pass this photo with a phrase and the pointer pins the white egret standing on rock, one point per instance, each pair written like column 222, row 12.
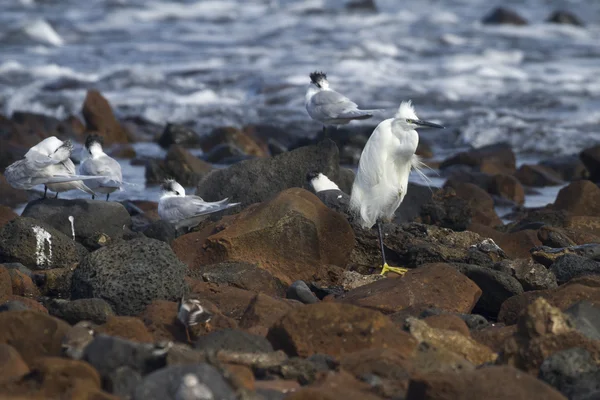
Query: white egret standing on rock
column 385, row 164
column 328, row 106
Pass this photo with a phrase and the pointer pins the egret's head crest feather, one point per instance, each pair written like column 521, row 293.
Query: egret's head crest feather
column 406, row 111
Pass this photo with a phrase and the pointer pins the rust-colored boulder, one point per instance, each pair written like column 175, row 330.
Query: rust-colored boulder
column 480, row 202
column 231, row 301
column 28, row 302
column 6, row 214
column 494, row 336
column 537, row 176
column 243, row 140
column 265, row 310
column 293, row 236
column 22, row 285
column 448, row 322
column 515, row 244
column 12, row 366
column 489, row 159
column 99, row 118
column 9, row 196
column 5, row 283
column 32, row 334
column 508, row 187
column 336, row 329
column 435, row 285
column 542, row 331
column 579, row 198
column 490, row 383
column 129, row 328
column 335, row 386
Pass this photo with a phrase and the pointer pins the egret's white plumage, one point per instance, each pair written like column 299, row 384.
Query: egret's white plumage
column 97, row 163
column 328, row 106
column 186, row 211
column 384, row 167
column 47, row 163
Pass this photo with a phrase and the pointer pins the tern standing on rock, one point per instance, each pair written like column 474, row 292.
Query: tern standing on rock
column 96, row 163
column 382, row 178
column 47, row 163
column 328, row 106
column 186, row 211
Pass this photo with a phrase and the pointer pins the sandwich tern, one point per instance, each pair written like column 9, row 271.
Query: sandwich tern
column 382, row 178
column 96, row 163
column 328, row 106
column 47, row 163
column 186, row 211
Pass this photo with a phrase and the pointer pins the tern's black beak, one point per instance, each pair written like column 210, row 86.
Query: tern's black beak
column 427, row 123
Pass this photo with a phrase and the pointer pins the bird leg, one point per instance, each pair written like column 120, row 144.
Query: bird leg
column 187, row 334
column 107, row 194
column 385, row 267
column 56, row 197
column 45, row 191
column 93, row 197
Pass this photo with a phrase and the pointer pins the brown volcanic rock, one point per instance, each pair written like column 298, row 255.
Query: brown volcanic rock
column 334, row 386
column 500, row 155
column 435, row 285
column 292, row 236
column 494, row 336
column 263, row 311
column 537, row 176
column 479, row 201
column 99, row 118
column 6, row 213
column 579, row 198
column 490, row 383
column 514, row 244
column 129, row 328
column 22, row 285
column 32, row 334
column 336, row 329
column 244, row 140
column 448, row 322
column 12, row 365
column 5, row 283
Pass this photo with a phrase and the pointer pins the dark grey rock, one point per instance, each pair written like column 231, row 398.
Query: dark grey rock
column 531, row 275
column 93, row 310
column 267, row 394
column 591, row 159
column 495, row 286
column 572, row 266
column 19, row 267
column 337, row 201
column 13, row 305
column 241, row 275
column 504, row 16
column 573, row 372
column 257, row 180
column 161, row 230
column 107, row 353
column 163, row 384
column 37, row 245
column 223, row 153
column 568, row 168
column 300, row 291
column 416, row 197
column 564, row 17
column 233, row 340
column 444, row 209
column 90, row 218
column 122, row 381
column 501, row 153
column 178, row 134
column 586, row 318
column 361, row 5
column 130, row 275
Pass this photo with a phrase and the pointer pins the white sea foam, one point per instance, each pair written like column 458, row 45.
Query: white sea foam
column 42, row 32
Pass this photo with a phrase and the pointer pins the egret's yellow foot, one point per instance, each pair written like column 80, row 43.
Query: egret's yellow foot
column 398, row 270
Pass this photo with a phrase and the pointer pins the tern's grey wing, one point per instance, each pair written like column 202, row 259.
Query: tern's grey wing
column 174, row 209
column 38, row 160
column 18, row 174
column 103, row 166
column 333, row 105
column 331, row 97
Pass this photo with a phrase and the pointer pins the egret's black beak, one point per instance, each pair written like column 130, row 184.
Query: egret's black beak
column 427, row 123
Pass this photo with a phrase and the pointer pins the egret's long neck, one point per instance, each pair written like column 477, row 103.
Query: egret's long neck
column 408, row 140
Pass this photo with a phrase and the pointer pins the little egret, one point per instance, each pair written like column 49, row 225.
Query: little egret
column 47, row 163
column 96, row 163
column 385, row 164
column 328, row 106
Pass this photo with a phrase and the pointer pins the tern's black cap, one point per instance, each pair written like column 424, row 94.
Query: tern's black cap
column 93, row 138
column 311, row 175
column 317, row 77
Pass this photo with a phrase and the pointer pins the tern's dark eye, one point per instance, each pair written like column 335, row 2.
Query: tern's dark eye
column 177, row 193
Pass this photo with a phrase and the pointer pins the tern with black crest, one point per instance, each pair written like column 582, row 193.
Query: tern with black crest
column 96, row 163
column 385, row 164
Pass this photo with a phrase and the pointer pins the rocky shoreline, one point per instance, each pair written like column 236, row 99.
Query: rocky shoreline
column 88, row 304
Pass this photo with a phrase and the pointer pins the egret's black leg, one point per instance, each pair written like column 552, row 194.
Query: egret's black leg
column 381, row 247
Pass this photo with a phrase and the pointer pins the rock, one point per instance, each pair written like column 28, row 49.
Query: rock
column 242, row 275
column 434, row 285
column 515, row 244
column 263, row 311
column 495, row 286
column 6, row 215
column 6, row 286
column 99, row 118
column 164, row 384
column 586, row 318
column 451, row 340
column 590, row 158
column 12, row 305
column 122, row 381
column 180, row 135
column 300, row 291
column 573, row 372
column 10, row 196
column 12, row 366
column 537, row 176
column 161, row 230
column 564, row 17
column 478, row 200
column 233, row 340
column 548, row 256
column 530, row 274
column 447, row 210
column 55, row 282
column 448, row 322
column 232, row 301
column 541, row 331
column 244, row 140
column 568, row 168
column 579, row 198
column 225, row 154
column 130, row 275
column 269, row 176
column 129, row 328
column 490, row 159
column 502, row 15
column 507, row 187
column 492, row 383
column 335, row 329
column 571, row 266
column 554, row 237
column 22, row 285
column 335, row 386
column 473, row 321
column 361, row 5
column 32, row 334
column 37, row 245
column 494, row 336
column 94, row 310
column 108, row 218
column 184, row 167
column 352, row 280
column 308, row 236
